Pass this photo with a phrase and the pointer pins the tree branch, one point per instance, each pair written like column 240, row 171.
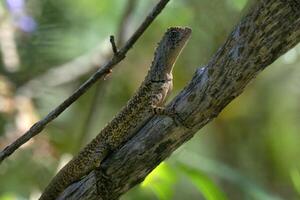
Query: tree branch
column 100, row 73
column 100, row 88
column 268, row 31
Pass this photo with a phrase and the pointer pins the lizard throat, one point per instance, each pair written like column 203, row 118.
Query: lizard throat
column 162, row 81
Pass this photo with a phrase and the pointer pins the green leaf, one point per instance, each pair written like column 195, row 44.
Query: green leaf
column 7, row 197
column 219, row 169
column 161, row 181
column 295, row 176
column 203, row 183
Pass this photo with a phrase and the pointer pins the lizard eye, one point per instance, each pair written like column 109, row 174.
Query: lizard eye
column 174, row 35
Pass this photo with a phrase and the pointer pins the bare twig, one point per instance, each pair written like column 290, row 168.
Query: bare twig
column 100, row 73
column 122, row 30
column 113, row 44
column 67, row 72
column 80, row 66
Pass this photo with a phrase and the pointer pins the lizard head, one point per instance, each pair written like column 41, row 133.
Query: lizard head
column 167, row 51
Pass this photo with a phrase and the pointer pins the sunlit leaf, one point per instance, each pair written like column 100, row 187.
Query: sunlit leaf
column 295, row 176
column 7, row 197
column 161, row 181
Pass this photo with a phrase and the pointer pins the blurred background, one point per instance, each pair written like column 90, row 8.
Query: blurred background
column 48, row 48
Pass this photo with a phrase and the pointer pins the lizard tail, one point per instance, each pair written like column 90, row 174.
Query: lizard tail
column 64, row 177
column 79, row 166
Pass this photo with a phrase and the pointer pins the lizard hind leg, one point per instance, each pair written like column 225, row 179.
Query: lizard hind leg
column 100, row 154
column 157, row 110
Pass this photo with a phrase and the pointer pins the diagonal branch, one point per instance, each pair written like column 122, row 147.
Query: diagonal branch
column 100, row 73
column 121, row 33
column 270, row 29
column 80, row 66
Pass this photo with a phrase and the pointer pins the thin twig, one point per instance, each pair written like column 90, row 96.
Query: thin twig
column 113, row 44
column 78, row 67
column 100, row 89
column 100, row 73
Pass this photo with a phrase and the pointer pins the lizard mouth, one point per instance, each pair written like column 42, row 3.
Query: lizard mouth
column 178, row 37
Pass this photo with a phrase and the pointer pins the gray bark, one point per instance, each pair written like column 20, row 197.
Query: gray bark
column 270, row 29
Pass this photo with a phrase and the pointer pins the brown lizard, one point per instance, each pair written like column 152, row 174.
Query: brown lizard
column 140, row 108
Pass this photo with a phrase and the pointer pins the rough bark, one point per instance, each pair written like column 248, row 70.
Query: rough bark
column 270, row 29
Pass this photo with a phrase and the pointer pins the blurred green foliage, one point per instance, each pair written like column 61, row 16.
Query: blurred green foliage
column 251, row 151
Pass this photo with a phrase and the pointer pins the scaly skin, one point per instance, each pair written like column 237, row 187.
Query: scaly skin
column 151, row 94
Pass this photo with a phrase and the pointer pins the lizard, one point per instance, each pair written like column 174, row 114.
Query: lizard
column 146, row 102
